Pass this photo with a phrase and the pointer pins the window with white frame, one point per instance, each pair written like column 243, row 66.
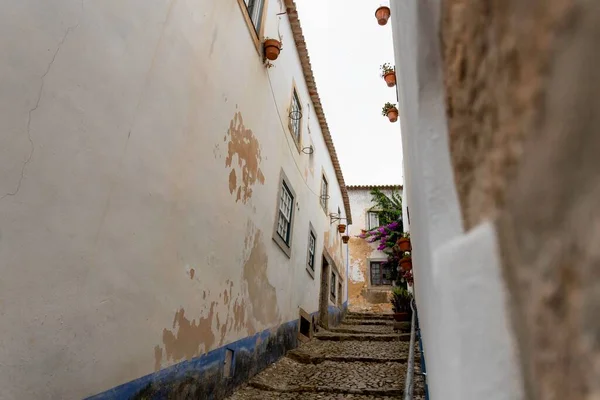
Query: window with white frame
column 324, row 192
column 296, row 116
column 372, row 220
column 312, row 244
column 284, row 221
column 284, row 218
column 255, row 11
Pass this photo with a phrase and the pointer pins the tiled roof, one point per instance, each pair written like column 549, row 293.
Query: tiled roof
column 314, row 96
column 369, row 187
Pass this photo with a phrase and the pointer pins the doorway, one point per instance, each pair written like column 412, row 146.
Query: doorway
column 324, row 297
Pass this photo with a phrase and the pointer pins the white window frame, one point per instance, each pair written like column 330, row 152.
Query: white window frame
column 371, row 214
column 256, row 14
column 284, row 215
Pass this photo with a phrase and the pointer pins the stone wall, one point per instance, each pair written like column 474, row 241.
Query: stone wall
column 522, row 97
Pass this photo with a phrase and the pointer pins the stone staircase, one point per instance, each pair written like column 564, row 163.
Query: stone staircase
column 362, row 358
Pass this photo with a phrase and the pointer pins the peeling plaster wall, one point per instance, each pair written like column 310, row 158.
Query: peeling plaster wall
column 362, row 252
column 139, row 176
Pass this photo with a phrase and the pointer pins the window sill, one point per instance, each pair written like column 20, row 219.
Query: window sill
column 310, row 272
column 283, row 246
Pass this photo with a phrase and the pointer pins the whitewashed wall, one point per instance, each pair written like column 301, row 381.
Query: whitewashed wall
column 116, row 212
column 459, row 291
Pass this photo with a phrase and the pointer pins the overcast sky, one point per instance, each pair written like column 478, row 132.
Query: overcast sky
column 346, row 48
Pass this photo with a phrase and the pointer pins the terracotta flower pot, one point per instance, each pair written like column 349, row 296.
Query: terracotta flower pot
column 402, row 316
column 406, row 264
column 345, row 239
column 382, row 14
column 390, row 79
column 341, row 228
column 404, row 244
column 272, row 49
column 392, row 114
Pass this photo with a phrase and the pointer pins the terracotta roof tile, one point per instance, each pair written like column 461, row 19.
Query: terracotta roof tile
column 309, row 77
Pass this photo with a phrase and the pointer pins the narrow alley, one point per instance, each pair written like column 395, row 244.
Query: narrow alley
column 363, row 358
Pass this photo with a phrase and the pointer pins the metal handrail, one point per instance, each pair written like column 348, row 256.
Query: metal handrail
column 410, row 367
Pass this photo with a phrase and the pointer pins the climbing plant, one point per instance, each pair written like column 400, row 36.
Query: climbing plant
column 389, row 209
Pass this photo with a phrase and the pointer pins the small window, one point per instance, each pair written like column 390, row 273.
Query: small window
column 373, row 220
column 312, row 240
column 284, row 218
column 296, row 117
column 255, row 11
column 380, row 273
column 332, row 286
column 284, row 222
column 324, row 193
column 340, row 293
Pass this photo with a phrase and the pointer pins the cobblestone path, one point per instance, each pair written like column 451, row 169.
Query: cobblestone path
column 363, row 358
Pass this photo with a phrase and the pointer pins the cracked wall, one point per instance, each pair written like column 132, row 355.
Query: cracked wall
column 120, row 130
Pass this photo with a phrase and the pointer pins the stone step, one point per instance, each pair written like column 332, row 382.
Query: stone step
column 353, row 349
column 307, row 358
column 374, row 379
column 368, row 316
column 252, row 393
column 401, row 327
column 368, row 337
column 367, row 322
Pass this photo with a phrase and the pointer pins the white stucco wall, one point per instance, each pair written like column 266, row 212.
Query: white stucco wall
column 116, row 214
column 458, row 285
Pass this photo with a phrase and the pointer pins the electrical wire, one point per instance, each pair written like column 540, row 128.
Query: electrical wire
column 287, row 140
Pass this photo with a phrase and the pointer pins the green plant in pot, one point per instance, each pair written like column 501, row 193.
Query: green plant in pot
column 388, row 74
column 400, row 300
column 389, row 110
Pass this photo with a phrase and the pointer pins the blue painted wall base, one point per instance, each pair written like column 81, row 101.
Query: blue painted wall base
column 203, row 377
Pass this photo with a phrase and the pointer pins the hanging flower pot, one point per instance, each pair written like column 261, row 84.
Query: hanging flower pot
column 382, row 14
column 404, row 244
column 389, row 110
column 341, row 228
column 406, row 262
column 388, row 74
column 272, row 49
column 345, row 239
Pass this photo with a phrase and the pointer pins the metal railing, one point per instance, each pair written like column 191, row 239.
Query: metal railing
column 410, row 367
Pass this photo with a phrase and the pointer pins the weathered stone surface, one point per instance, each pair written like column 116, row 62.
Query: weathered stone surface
column 358, row 369
column 523, row 92
column 370, row 337
column 496, row 55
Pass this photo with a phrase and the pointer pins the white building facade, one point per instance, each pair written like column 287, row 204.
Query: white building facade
column 163, row 212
